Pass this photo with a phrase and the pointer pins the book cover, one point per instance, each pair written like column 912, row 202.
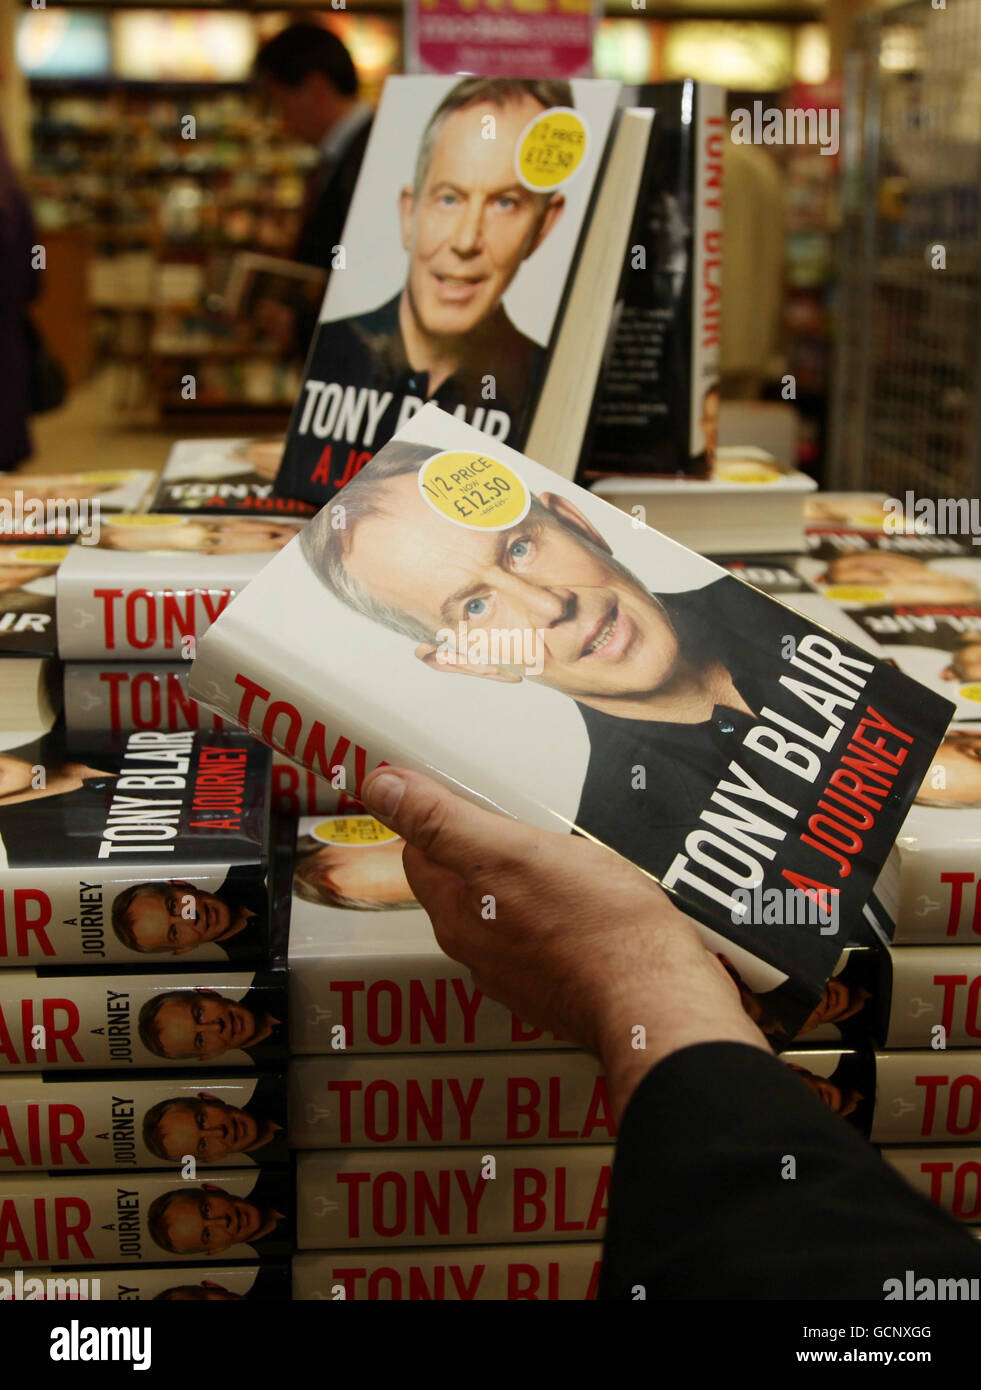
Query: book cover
column 134, row 849
column 656, row 407
column 58, row 507
column 345, row 1102
column 367, row 1197
column 929, row 997
column 618, row 684
column 193, row 1283
column 949, row 1178
column 843, row 1080
column 498, row 1272
column 53, row 1122
column 110, row 1022
column 931, row 885
column 366, row 973
column 154, row 582
column 457, row 252
column 927, row 1096
column 225, row 477
column 144, row 1218
column 114, row 696
column 27, row 599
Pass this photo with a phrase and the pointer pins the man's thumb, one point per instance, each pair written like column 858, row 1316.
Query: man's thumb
column 447, row 829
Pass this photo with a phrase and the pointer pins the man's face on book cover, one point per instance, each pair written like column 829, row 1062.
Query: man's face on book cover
column 357, row 873
column 209, row 1220
column 902, row 578
column 206, row 1128
column 177, row 917
column 954, row 780
column 471, row 223
column 601, row 632
column 204, row 1024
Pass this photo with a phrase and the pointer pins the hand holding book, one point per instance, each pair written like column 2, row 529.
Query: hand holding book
column 566, row 934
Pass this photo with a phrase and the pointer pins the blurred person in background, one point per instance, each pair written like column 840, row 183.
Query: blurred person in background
column 308, row 75
column 19, row 284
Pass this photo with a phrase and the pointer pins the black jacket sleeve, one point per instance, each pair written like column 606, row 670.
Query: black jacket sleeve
column 702, row 1203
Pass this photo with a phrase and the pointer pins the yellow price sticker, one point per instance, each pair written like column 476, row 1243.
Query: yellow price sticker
column 971, row 692
column 551, row 149
column 35, row 555
column 146, row 519
column 352, row 830
column 854, row 593
column 106, row 477
column 474, row 490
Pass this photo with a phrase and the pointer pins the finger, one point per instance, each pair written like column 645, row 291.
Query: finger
column 442, row 895
column 447, row 829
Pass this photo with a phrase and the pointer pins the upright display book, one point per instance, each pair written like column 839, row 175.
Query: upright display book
column 457, row 256
column 196, row 1283
column 154, row 582
column 144, row 1218
column 140, row 849
column 225, row 1121
column 929, row 997
column 492, row 1272
column 124, row 1023
column 656, row 408
column 225, row 477
column 604, row 679
column 403, row 1102
column 368, row 1197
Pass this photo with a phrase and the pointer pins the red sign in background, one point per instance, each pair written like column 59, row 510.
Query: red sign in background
column 493, row 38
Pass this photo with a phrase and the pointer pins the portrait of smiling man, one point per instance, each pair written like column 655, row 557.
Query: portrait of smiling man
column 467, row 224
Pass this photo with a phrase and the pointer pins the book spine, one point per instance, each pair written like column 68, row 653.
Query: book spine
column 113, row 607
column 130, row 1122
column 939, row 900
column 534, row 1098
column 927, row 1096
column 200, row 1282
column 417, row 1003
column 932, row 997
column 706, row 279
column 111, row 697
column 451, row 1196
column 115, row 1022
column 949, row 1178
column 502, row 1273
column 143, row 1218
column 53, row 916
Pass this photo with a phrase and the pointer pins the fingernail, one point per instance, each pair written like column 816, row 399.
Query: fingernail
column 383, row 794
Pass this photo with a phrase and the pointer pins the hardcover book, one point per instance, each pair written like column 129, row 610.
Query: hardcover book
column 930, row 887
column 367, row 1197
column 57, row 507
column 929, row 997
column 154, row 582
column 492, row 1272
column 225, row 477
column 110, row 1022
column 604, row 679
column 656, row 408
column 457, row 255
column 112, row 696
column 195, row 1283
column 144, row 1218
column 927, row 1096
column 136, row 849
column 949, row 1178
column 149, row 1121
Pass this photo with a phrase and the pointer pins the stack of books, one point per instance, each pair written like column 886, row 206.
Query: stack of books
column 142, row 1019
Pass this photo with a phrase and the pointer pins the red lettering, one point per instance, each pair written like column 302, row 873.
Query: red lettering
column 108, row 597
